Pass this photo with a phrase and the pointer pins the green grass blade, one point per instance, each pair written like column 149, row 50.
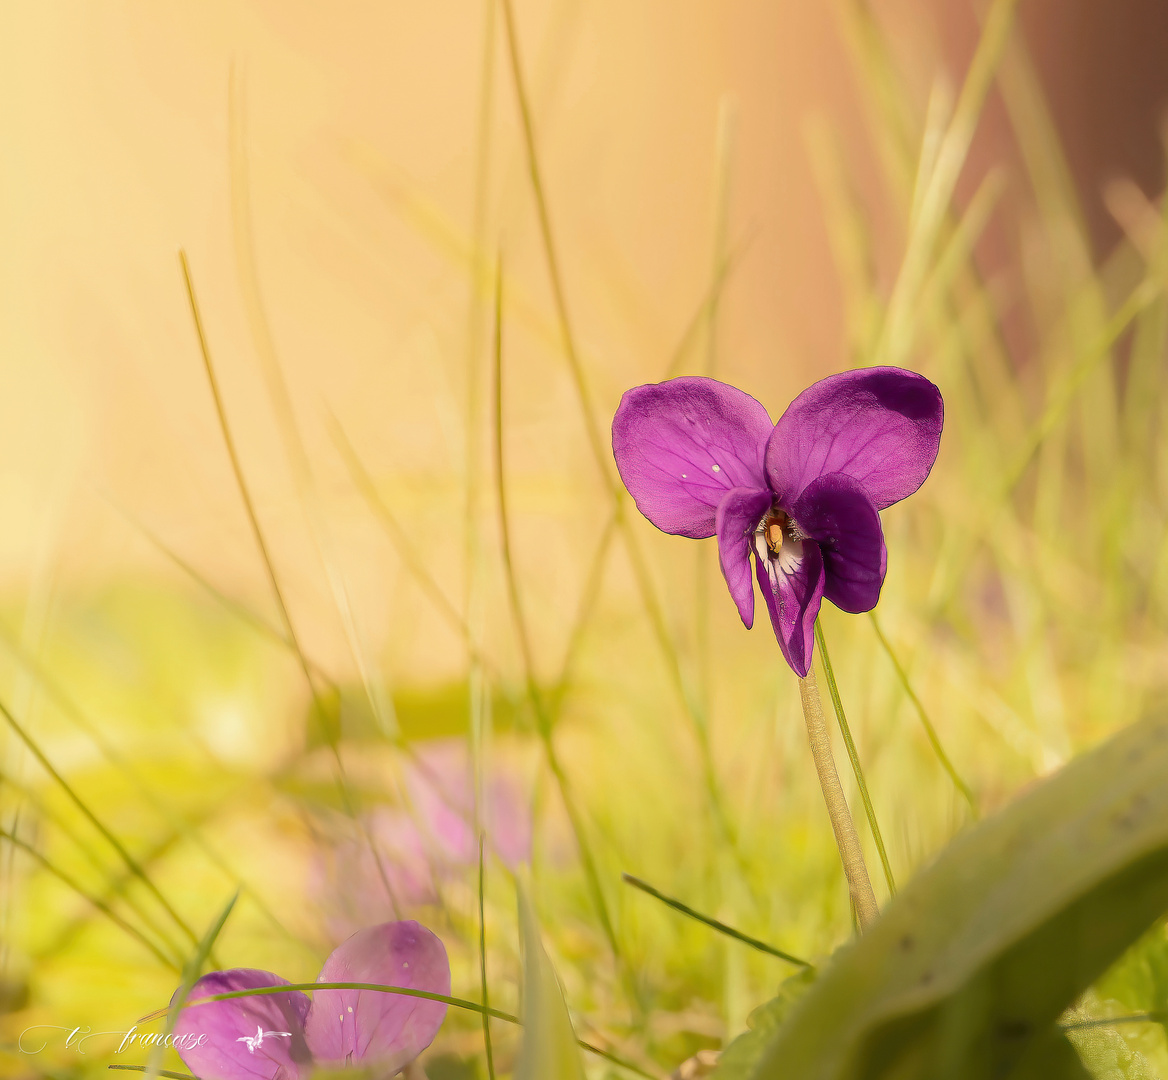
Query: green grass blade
column 926, row 723
column 597, row 443
column 131, row 863
column 240, row 610
column 595, row 439
column 158, row 1072
column 896, row 339
column 404, row 991
column 192, row 969
column 326, row 723
column 483, row 969
column 853, row 756
column 277, row 388
column 73, row 712
column 549, row 1043
column 253, row 520
column 97, row 902
column 401, row 543
column 543, row 720
column 714, row 924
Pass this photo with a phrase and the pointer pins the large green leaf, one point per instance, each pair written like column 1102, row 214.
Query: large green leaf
column 1106, row 1054
column 737, row 1060
column 966, row 972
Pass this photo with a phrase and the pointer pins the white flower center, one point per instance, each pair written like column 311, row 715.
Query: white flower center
column 778, row 543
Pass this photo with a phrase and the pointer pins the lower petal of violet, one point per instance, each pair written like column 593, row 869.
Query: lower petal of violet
column 738, row 514
column 792, row 585
column 835, row 511
column 248, row 1038
column 381, row 1032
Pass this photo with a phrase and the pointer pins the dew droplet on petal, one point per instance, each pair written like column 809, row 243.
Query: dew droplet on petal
column 716, row 468
column 405, row 963
column 350, row 1008
column 684, row 476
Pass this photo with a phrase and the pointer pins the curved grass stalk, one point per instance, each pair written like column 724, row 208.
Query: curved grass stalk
column 403, row 991
column 97, row 902
column 115, row 889
column 930, row 731
column 543, row 720
column 483, row 969
column 599, row 447
column 323, row 719
column 190, row 975
column 714, row 924
column 74, row 713
column 854, row 757
column 934, row 191
column 130, row 862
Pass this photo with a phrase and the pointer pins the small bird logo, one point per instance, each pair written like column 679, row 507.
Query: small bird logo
column 257, row 1039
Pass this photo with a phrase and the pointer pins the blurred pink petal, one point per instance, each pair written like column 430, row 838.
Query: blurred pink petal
column 375, row 1029
column 248, row 1038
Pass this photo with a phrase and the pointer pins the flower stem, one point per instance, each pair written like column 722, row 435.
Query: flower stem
column 846, row 837
column 854, row 756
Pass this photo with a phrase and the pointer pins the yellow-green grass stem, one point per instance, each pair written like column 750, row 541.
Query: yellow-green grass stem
column 846, row 837
column 600, row 448
column 930, row 730
column 543, row 721
column 484, row 990
column 713, row 924
column 327, row 723
column 853, row 756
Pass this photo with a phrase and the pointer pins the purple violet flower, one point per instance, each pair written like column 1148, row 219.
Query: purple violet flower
column 285, row 1036
column 802, row 496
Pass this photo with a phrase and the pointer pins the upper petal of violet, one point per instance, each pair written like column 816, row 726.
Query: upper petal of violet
column 739, row 513
column 372, row 1028
column 880, row 426
column 247, row 1038
column 681, row 445
column 836, row 513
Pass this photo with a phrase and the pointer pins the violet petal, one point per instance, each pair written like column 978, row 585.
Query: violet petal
column 248, row 1038
column 792, row 585
column 836, row 512
column 739, row 513
column 372, row 1028
column 880, row 426
column 681, row 445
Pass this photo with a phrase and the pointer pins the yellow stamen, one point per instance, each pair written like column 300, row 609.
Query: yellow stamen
column 774, row 536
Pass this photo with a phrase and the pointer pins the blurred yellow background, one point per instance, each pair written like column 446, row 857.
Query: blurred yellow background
column 730, row 189
column 361, row 126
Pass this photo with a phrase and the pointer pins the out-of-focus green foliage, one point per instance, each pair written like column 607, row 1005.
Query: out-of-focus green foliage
column 739, row 1059
column 966, row 972
column 549, row 1043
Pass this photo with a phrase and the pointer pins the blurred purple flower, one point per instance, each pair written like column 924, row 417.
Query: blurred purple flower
column 419, row 850
column 349, row 882
column 702, row 458
column 285, row 1036
column 441, row 786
